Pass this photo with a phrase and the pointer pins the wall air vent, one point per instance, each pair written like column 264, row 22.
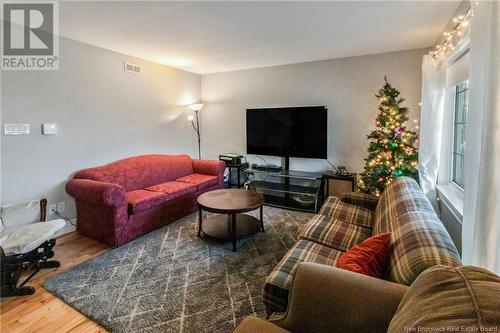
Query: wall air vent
column 132, row 68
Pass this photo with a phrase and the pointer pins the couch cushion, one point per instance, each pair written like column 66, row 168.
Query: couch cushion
column 173, row 189
column 334, row 233
column 141, row 200
column 20, row 213
column 137, row 172
column 335, row 208
column 420, row 242
column 466, row 299
column 278, row 283
column 401, row 196
column 201, row 181
column 25, row 238
column 166, row 168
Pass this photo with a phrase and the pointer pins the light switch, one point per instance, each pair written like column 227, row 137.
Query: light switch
column 16, row 129
column 49, row 128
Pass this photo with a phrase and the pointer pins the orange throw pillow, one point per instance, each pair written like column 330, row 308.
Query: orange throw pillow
column 369, row 257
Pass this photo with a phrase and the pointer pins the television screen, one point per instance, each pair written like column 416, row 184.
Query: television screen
column 288, row 132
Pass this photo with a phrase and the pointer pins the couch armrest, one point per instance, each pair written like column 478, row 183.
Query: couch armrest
column 209, row 167
column 359, row 199
column 329, row 299
column 253, row 324
column 95, row 192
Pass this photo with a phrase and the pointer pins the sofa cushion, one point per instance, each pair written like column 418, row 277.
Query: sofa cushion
column 201, row 181
column 401, row 196
column 368, row 258
column 20, row 213
column 173, row 189
column 22, row 239
column 166, row 168
column 135, row 173
column 278, row 283
column 420, row 242
column 360, row 199
column 466, row 299
column 335, row 208
column 334, row 233
column 139, row 201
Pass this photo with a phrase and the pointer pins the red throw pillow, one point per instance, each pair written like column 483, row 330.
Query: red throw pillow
column 368, row 257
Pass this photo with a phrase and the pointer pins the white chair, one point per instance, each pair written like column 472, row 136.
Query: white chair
column 25, row 244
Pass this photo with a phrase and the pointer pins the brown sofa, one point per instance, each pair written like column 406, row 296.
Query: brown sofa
column 442, row 299
column 418, row 238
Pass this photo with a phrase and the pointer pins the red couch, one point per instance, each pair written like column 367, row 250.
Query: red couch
column 123, row 200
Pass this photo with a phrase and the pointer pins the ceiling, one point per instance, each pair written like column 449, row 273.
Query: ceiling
column 208, row 37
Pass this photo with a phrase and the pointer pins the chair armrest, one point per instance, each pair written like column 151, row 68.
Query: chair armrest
column 209, row 167
column 253, row 324
column 329, row 299
column 95, row 192
column 359, row 199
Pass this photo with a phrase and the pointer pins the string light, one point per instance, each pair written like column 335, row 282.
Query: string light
column 442, row 49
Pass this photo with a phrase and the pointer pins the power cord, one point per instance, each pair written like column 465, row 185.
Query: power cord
column 262, row 158
column 333, row 166
column 63, row 217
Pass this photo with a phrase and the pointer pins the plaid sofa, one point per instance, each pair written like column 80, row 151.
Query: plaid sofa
column 419, row 239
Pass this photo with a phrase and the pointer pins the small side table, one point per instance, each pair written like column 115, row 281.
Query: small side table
column 328, row 175
column 235, row 225
column 239, row 168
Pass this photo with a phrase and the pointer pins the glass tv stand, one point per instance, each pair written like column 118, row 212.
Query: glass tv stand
column 297, row 190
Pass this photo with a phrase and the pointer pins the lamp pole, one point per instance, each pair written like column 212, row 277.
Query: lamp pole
column 196, row 126
column 197, row 130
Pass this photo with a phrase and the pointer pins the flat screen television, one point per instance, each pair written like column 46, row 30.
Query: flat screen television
column 288, row 131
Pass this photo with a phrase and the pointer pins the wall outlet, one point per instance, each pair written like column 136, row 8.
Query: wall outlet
column 52, row 208
column 61, row 206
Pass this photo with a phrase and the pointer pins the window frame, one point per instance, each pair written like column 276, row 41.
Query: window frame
column 447, row 190
column 453, row 146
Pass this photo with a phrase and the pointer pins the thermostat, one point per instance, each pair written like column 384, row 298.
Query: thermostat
column 49, row 129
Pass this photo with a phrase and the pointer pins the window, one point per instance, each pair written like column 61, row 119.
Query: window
column 459, row 126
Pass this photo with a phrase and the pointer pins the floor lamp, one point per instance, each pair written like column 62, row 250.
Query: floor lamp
column 196, row 126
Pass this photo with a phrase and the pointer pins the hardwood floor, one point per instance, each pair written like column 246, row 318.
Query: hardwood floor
column 42, row 311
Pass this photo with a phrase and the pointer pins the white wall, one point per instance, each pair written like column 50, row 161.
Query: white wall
column 105, row 114
column 347, row 86
column 102, row 112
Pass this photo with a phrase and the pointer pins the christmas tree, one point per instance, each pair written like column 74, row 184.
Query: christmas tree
column 393, row 148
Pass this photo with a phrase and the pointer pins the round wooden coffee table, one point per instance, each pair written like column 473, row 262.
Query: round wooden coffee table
column 233, row 225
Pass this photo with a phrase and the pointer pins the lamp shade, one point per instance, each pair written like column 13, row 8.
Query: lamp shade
column 196, row 107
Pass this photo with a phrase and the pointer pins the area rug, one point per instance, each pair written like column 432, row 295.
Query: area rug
column 172, row 281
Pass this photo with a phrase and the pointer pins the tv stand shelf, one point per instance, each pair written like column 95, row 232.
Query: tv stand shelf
column 297, row 190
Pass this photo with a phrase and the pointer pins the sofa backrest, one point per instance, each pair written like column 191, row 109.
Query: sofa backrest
column 419, row 239
column 137, row 172
column 401, row 196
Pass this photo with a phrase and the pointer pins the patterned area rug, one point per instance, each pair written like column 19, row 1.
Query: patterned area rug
column 172, row 281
